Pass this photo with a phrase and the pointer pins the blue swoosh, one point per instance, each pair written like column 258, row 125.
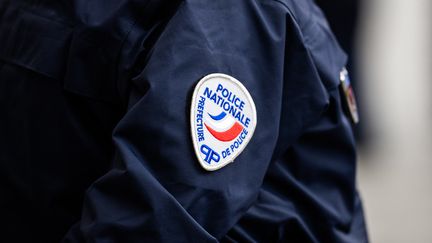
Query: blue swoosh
column 218, row 117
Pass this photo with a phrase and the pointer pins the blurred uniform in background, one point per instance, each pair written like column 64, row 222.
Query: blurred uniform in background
column 343, row 17
column 101, row 133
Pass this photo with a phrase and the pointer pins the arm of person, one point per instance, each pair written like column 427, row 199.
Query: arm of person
column 157, row 190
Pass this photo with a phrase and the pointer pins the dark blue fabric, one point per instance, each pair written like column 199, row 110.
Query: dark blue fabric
column 95, row 131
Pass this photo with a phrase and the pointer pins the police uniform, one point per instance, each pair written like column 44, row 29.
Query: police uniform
column 98, row 138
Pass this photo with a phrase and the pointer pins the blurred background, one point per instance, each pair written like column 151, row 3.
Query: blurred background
column 394, row 71
column 391, row 49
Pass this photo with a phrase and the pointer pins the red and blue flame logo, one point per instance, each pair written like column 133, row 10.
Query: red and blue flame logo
column 223, row 127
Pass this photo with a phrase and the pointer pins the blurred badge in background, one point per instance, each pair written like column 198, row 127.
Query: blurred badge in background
column 350, row 99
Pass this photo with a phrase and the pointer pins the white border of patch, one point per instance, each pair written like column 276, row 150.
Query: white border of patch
column 193, row 116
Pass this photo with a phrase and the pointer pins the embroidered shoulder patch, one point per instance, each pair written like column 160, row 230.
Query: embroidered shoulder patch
column 223, row 120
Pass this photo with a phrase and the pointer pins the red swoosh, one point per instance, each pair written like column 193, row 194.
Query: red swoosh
column 228, row 135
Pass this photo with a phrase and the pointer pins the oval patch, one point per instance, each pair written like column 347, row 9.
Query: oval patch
column 223, row 120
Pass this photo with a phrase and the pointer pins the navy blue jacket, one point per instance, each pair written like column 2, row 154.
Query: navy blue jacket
column 95, row 141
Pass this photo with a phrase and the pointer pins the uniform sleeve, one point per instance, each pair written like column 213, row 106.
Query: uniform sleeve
column 157, row 191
